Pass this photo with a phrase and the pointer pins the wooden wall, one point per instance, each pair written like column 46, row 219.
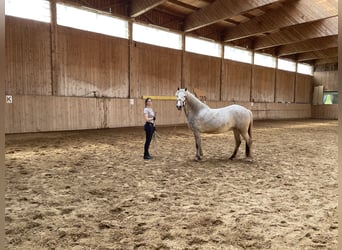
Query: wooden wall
column 303, row 89
column 67, row 79
column 327, row 76
column 30, row 113
column 263, row 84
column 154, row 70
column 202, row 72
column 28, row 57
column 236, row 81
column 285, row 86
column 88, row 62
column 325, row 111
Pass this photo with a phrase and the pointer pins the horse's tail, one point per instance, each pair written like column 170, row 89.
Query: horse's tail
column 249, row 131
column 250, row 125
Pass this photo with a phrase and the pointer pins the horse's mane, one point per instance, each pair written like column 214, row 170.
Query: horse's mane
column 196, row 103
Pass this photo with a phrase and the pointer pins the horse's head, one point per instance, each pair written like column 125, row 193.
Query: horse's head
column 180, row 96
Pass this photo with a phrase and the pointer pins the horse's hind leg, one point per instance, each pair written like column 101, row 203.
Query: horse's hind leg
column 248, row 140
column 237, row 143
column 199, row 151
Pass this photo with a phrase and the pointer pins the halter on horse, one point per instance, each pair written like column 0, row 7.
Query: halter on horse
column 202, row 119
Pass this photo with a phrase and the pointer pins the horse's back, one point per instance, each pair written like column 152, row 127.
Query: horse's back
column 238, row 111
column 238, row 107
column 222, row 119
column 240, row 116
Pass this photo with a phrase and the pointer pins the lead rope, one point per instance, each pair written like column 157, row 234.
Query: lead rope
column 155, row 134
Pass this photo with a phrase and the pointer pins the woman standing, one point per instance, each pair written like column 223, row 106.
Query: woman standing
column 149, row 126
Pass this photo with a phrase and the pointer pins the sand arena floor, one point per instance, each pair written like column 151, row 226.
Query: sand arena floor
column 93, row 190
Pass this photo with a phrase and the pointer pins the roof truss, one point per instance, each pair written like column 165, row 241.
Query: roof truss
column 309, row 45
column 297, row 33
column 139, row 7
column 220, row 10
column 291, row 13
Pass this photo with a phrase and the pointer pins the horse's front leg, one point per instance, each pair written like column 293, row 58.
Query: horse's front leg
column 199, row 151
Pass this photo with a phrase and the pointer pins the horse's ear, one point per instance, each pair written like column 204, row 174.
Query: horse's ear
column 186, row 89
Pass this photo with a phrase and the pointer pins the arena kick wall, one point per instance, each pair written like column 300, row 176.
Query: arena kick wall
column 66, row 79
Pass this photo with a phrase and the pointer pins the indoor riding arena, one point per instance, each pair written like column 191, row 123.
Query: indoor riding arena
column 78, row 74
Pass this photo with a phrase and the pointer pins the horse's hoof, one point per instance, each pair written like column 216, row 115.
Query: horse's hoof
column 249, row 159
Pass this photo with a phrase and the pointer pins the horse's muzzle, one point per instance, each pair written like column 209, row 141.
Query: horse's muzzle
column 179, row 107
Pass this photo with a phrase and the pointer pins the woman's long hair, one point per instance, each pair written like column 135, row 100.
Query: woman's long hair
column 147, row 99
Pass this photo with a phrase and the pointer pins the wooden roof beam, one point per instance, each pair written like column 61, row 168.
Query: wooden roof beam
column 309, row 45
column 291, row 13
column 316, row 29
column 326, row 60
column 184, row 5
column 220, row 10
column 321, row 54
column 139, row 7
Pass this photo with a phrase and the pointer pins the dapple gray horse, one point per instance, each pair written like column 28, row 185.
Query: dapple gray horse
column 202, row 119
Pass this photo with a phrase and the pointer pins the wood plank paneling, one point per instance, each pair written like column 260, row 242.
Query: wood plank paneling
column 236, row 81
column 154, row 70
column 325, row 111
column 262, row 111
column 202, row 72
column 285, row 85
column 28, row 57
column 90, row 62
column 263, row 82
column 30, row 113
column 304, row 88
column 50, row 113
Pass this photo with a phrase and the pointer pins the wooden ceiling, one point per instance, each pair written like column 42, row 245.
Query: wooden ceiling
column 302, row 30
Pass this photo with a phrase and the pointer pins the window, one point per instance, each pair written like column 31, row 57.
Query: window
column 304, row 69
column 201, row 46
column 38, row 10
column 156, row 36
column 87, row 20
column 286, row 65
column 236, row 54
column 264, row 60
column 330, row 97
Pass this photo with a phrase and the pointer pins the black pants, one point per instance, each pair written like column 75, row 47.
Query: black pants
column 149, row 129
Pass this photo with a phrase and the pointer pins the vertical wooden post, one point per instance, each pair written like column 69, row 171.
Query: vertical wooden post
column 182, row 61
column 275, row 82
column 130, row 47
column 221, row 71
column 295, row 84
column 251, row 81
column 53, row 35
column 4, row 121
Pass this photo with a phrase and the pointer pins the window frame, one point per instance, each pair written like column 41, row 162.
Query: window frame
column 232, row 53
column 198, row 49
